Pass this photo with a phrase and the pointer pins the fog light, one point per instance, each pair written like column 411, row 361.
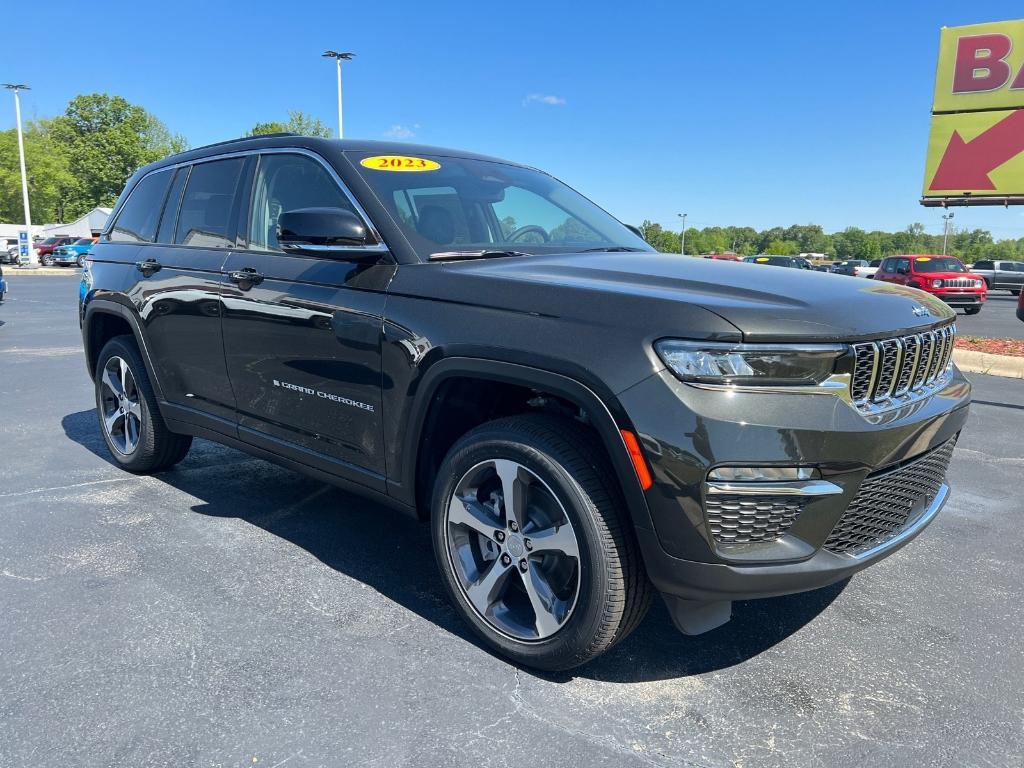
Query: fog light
column 762, row 474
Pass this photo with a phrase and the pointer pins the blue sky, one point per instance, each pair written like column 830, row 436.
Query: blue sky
column 758, row 114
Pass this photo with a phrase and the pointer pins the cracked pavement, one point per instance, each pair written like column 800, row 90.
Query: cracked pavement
column 231, row 613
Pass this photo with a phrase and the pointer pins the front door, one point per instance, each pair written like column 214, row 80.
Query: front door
column 302, row 334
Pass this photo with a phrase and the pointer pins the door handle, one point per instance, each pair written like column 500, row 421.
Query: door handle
column 148, row 267
column 245, row 278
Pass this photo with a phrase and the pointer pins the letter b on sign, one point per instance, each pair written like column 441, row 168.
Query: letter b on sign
column 981, row 63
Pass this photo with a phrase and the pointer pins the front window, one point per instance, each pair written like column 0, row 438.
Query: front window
column 453, row 204
column 938, row 264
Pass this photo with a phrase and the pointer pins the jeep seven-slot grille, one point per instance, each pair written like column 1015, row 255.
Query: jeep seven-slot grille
column 744, row 519
column 900, row 366
column 889, row 501
column 959, row 282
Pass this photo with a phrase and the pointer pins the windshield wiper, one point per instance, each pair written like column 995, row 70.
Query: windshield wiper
column 613, row 249
column 464, row 255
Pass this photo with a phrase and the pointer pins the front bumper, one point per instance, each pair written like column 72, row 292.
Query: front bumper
column 961, row 298
column 687, row 431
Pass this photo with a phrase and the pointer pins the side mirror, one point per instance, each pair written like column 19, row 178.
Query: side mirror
column 636, row 231
column 321, row 229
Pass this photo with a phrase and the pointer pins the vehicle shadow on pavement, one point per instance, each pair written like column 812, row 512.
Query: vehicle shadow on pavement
column 392, row 554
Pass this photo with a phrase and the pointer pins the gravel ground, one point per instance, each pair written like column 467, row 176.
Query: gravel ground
column 230, row 613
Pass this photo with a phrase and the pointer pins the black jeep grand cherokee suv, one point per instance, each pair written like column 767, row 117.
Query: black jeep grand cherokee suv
column 582, row 420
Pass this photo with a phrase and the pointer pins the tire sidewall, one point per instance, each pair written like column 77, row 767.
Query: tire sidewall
column 572, row 640
column 120, row 348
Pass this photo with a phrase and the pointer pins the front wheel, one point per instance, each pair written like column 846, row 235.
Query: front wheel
column 972, row 310
column 81, row 260
column 533, row 542
column 46, row 261
column 130, row 422
column 1015, row 291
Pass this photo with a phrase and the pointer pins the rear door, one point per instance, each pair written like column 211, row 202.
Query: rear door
column 302, row 334
column 179, row 288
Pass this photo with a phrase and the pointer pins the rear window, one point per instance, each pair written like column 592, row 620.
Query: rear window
column 136, row 223
column 205, row 216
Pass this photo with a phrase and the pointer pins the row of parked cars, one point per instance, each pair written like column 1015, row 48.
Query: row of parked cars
column 59, row 250
column 945, row 277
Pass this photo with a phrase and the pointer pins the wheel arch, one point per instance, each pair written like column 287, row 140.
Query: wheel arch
column 105, row 319
column 605, row 417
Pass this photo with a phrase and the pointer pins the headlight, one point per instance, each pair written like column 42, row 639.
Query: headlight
column 936, row 283
column 750, row 364
column 978, row 283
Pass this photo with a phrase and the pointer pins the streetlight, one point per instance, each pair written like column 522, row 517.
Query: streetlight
column 682, row 237
column 947, row 219
column 32, row 260
column 338, row 57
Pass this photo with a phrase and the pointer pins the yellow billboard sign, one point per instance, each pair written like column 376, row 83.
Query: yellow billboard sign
column 976, row 144
column 976, row 153
column 981, row 66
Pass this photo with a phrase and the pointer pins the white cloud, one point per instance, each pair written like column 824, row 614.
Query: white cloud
column 397, row 131
column 540, row 98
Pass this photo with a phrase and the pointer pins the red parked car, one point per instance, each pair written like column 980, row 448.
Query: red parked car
column 1020, row 306
column 943, row 276
column 50, row 244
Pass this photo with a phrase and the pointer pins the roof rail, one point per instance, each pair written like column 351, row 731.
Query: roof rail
column 242, row 138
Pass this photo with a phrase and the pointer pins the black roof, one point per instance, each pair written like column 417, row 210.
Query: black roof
column 314, row 143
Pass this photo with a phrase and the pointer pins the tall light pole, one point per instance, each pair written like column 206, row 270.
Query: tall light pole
column 947, row 220
column 682, row 237
column 339, row 57
column 32, row 259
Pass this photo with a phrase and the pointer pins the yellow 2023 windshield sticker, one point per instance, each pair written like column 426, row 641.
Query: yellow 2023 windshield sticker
column 399, row 163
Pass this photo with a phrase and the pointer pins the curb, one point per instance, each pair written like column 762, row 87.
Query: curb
column 993, row 365
column 42, row 271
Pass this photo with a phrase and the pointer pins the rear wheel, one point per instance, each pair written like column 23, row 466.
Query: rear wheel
column 81, row 260
column 1015, row 291
column 130, row 422
column 534, row 546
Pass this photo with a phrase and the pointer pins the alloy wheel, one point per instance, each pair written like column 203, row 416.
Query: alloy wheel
column 513, row 550
column 120, row 405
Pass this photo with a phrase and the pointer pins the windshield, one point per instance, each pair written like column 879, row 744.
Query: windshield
column 451, row 204
column 938, row 264
column 84, row 241
column 50, row 240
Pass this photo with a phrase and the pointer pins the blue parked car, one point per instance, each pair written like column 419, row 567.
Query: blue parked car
column 73, row 254
column 3, row 285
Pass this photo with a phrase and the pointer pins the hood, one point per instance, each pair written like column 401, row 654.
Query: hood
column 764, row 303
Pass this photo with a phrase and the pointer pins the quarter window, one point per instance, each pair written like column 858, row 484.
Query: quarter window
column 137, row 221
column 205, row 216
column 286, row 182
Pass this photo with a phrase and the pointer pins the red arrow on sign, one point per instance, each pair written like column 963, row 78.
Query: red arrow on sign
column 967, row 164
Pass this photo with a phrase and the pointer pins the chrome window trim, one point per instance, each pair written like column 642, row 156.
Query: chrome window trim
column 379, row 247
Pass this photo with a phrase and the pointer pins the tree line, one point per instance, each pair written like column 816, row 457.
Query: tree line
column 850, row 243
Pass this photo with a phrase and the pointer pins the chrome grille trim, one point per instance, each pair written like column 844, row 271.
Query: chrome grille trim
column 958, row 282
column 893, row 371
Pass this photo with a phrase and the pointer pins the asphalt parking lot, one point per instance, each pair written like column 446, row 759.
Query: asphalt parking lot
column 230, row 613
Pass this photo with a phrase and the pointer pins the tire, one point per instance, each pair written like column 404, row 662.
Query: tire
column 46, row 261
column 81, row 260
column 565, row 471
column 988, row 284
column 1015, row 291
column 972, row 310
column 154, row 446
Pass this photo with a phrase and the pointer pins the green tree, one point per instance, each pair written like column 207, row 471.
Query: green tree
column 782, row 248
column 298, row 122
column 106, row 139
column 49, row 180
